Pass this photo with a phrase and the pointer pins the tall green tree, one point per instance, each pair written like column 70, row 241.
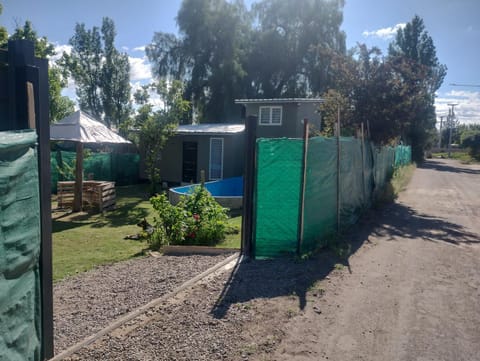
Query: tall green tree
column 115, row 81
column 3, row 32
column 223, row 51
column 208, row 55
column 59, row 106
column 101, row 73
column 156, row 126
column 293, row 46
column 413, row 55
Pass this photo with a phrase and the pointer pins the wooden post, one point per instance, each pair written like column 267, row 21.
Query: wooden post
column 363, row 163
column 78, row 190
column 28, row 100
column 248, row 241
column 303, row 181
column 42, row 120
column 338, row 168
column 30, row 105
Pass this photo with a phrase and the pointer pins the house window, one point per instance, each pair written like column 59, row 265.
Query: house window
column 216, row 158
column 270, row 115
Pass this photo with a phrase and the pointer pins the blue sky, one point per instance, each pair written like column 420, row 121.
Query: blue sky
column 453, row 25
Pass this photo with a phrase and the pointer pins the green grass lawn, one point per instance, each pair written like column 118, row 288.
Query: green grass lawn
column 232, row 240
column 82, row 241
column 463, row 157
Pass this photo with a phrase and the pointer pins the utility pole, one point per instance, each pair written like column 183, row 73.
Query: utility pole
column 440, row 137
column 451, row 124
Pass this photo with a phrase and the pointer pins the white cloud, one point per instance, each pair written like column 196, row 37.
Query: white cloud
column 468, row 108
column 384, row 33
column 139, row 68
column 59, row 50
column 154, row 98
column 125, row 48
column 139, row 48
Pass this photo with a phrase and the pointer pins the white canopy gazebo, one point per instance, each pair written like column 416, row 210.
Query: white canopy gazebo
column 81, row 128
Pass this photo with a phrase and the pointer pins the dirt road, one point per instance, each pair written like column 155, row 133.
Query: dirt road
column 412, row 292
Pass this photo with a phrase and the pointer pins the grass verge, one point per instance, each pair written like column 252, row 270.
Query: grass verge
column 400, row 179
column 82, row 241
column 462, row 157
column 232, row 240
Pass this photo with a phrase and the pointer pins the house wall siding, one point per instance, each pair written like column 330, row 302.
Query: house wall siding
column 289, row 127
column 172, row 157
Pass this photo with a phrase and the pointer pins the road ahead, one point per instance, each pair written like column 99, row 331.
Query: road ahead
column 414, row 288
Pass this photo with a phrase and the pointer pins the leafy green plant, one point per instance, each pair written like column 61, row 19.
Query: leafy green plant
column 196, row 220
column 169, row 226
column 207, row 219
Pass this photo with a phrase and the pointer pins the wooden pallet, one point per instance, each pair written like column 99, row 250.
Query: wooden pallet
column 99, row 195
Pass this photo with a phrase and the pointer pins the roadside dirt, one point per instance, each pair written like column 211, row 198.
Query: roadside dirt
column 410, row 291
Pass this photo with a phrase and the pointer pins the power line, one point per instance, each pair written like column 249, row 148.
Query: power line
column 466, row 85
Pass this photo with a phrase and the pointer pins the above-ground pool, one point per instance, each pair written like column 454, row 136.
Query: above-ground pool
column 228, row 192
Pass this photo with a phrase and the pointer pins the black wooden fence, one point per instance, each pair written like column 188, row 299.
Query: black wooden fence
column 24, row 104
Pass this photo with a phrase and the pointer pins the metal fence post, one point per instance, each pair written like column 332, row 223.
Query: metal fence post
column 248, row 246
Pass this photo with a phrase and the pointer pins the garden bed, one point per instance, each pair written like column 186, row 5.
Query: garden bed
column 88, row 302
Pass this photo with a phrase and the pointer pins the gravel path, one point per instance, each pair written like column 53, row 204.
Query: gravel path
column 88, row 302
column 234, row 315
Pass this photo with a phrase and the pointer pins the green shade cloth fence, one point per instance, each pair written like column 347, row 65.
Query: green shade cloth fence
column 20, row 298
column 122, row 168
column 364, row 170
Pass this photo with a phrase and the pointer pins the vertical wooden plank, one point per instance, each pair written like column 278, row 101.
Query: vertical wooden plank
column 42, row 119
column 338, row 168
column 30, row 105
column 248, row 246
column 303, row 181
column 78, row 190
column 363, row 163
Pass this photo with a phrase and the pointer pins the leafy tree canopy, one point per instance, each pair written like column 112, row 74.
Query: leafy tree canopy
column 223, row 51
column 59, row 106
column 101, row 73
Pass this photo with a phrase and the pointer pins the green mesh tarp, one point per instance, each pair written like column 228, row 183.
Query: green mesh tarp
column 279, row 164
column 356, row 185
column 20, row 300
column 123, row 168
column 383, row 161
column 352, row 199
column 364, row 170
column 403, row 155
column 320, row 191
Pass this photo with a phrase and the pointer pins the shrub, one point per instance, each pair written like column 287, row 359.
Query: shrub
column 195, row 220
column 472, row 142
column 169, row 227
column 207, row 218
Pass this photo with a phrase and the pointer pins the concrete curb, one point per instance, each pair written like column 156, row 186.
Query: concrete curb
column 188, row 250
column 137, row 312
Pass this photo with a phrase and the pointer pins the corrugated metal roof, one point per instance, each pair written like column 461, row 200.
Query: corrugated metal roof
column 280, row 100
column 218, row 128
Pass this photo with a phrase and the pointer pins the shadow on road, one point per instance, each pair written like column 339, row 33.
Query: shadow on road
column 403, row 221
column 441, row 166
column 287, row 277
column 272, row 278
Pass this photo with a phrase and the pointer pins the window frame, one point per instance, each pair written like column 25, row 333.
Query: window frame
column 221, row 158
column 270, row 112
